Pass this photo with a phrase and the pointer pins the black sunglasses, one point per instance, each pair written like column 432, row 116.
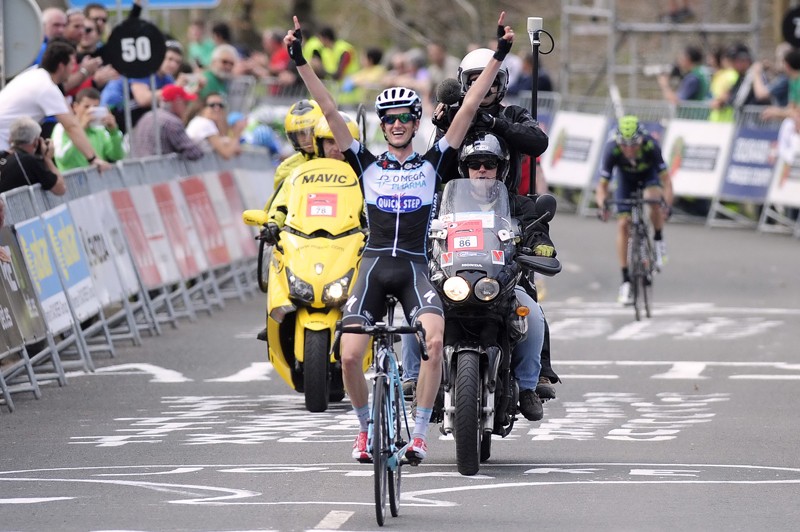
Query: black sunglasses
column 216, row 104
column 404, row 118
column 476, row 165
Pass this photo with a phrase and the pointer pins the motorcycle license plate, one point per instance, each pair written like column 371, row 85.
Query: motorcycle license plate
column 321, row 205
column 465, row 235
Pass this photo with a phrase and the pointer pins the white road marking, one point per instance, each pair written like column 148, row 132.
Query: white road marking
column 334, row 520
column 34, row 500
column 159, row 374
column 257, row 371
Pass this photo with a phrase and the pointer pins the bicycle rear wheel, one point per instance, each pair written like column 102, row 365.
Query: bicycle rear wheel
column 394, row 476
column 380, row 447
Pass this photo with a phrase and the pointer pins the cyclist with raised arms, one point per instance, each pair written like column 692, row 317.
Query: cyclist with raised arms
column 400, row 188
column 637, row 157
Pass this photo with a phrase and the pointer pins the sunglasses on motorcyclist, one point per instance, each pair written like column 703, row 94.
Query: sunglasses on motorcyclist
column 404, row 118
column 476, row 165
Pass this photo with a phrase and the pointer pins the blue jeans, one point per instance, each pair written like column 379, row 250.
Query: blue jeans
column 526, row 357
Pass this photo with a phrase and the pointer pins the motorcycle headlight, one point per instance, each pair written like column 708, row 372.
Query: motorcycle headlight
column 299, row 289
column 335, row 293
column 456, row 288
column 487, row 289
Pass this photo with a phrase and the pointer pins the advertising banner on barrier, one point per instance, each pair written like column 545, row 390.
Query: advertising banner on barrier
column 71, row 260
column 751, row 166
column 246, row 241
column 173, row 225
column 12, row 338
column 103, row 208
column 135, row 235
column 36, row 252
column 784, row 189
column 108, row 287
column 696, row 152
column 21, row 293
column 227, row 223
column 576, row 140
column 145, row 203
column 205, row 220
column 189, row 229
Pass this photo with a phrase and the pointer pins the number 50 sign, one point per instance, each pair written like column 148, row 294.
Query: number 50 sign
column 135, row 48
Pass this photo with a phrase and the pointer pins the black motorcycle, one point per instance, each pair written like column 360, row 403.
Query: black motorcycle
column 476, row 262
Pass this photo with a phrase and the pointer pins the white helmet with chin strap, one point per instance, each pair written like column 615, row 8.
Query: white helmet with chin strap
column 474, row 63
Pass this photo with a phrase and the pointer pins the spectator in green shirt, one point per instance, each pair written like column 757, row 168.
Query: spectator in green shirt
column 100, row 127
column 219, row 73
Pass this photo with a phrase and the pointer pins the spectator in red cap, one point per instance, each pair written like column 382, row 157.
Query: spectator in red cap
column 169, row 117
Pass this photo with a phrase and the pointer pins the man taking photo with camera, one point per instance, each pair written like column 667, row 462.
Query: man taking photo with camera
column 29, row 159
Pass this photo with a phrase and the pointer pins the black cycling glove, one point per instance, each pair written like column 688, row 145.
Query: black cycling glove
column 503, row 46
column 296, row 49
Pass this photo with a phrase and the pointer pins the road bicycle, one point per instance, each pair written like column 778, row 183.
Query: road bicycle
column 388, row 434
column 642, row 262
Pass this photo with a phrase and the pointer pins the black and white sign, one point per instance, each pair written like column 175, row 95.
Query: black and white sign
column 135, row 48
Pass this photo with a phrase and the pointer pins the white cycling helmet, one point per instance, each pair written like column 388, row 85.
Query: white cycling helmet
column 474, row 63
column 395, row 97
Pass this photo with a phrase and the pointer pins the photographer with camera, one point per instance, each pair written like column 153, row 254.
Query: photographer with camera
column 29, row 160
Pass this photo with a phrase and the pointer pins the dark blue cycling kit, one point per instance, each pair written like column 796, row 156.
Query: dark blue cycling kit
column 642, row 172
column 400, row 203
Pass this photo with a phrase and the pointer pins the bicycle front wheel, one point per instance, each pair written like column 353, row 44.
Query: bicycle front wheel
column 394, row 475
column 635, row 263
column 380, row 447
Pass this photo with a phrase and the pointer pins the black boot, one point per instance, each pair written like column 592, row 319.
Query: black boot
column 530, row 405
column 547, row 377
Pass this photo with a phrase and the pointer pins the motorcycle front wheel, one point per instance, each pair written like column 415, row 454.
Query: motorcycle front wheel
column 315, row 370
column 467, row 431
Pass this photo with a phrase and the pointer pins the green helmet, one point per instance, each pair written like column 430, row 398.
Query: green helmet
column 629, row 132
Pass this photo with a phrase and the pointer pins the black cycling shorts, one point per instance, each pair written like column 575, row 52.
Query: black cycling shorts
column 400, row 277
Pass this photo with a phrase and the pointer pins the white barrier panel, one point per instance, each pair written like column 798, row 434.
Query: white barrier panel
column 576, row 144
column 784, row 188
column 99, row 250
column 33, row 244
column 189, row 228
column 104, row 211
column 72, row 261
column 227, row 223
column 696, row 153
column 145, row 204
column 173, row 225
column 246, row 241
column 256, row 186
column 136, row 237
column 205, row 219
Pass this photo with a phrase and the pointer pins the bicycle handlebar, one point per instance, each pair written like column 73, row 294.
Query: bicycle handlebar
column 634, row 201
column 383, row 328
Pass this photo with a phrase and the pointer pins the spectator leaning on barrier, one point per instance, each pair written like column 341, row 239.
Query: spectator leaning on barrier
column 750, row 88
column 30, row 159
column 170, row 124
column 35, row 93
column 101, row 130
column 723, row 77
column 206, row 128
column 694, row 85
column 791, row 67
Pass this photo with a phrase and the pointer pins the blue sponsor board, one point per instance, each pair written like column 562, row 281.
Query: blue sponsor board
column 32, row 240
column 151, row 4
column 751, row 167
column 67, row 250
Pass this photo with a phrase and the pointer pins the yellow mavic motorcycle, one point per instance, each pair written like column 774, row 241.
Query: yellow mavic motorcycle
column 311, row 272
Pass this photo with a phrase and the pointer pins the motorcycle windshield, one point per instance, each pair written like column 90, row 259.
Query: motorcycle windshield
column 325, row 195
column 477, row 218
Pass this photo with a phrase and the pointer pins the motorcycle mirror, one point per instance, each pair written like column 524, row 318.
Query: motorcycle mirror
column 546, row 207
column 256, row 217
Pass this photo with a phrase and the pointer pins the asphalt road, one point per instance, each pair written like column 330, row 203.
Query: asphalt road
column 686, row 421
